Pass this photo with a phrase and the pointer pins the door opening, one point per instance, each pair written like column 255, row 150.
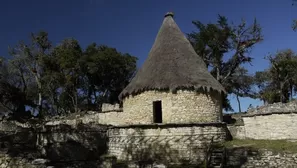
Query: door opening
column 157, row 111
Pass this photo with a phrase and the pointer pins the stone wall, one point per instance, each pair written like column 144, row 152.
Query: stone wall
column 270, row 122
column 72, row 143
column 91, row 117
column 237, row 131
column 180, row 107
column 245, row 157
column 85, row 146
column 111, row 107
column 61, row 145
column 272, row 126
column 165, row 143
column 274, row 108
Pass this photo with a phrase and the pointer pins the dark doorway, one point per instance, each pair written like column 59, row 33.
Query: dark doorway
column 157, row 111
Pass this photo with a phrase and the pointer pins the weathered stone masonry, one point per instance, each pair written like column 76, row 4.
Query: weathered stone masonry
column 272, row 126
column 270, row 122
column 67, row 145
column 180, row 107
column 168, row 143
column 245, row 157
column 82, row 145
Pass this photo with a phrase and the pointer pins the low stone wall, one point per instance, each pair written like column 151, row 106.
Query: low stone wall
column 106, row 118
column 75, row 144
column 111, row 107
column 274, row 108
column 237, row 131
column 271, row 126
column 176, row 108
column 167, row 143
column 270, row 122
column 245, row 157
column 64, row 145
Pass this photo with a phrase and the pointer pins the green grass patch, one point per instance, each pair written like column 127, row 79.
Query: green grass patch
column 273, row 145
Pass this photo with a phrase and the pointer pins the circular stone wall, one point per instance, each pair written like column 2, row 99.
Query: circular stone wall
column 180, row 107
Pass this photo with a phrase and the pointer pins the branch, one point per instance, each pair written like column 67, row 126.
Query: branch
column 7, row 108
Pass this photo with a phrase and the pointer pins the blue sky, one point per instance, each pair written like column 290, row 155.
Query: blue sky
column 131, row 25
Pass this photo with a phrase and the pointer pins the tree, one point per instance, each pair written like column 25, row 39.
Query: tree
column 278, row 83
column 13, row 97
column 214, row 42
column 27, row 60
column 61, row 79
column 107, row 71
column 265, row 86
column 67, row 55
column 242, row 85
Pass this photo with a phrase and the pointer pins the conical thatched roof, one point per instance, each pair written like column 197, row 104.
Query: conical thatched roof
column 172, row 64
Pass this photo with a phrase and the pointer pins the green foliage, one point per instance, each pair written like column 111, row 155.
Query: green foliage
column 241, row 85
column 215, row 42
column 278, row 82
column 62, row 79
column 108, row 70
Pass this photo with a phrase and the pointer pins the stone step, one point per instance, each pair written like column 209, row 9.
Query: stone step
column 217, row 154
column 216, row 166
column 217, row 151
column 216, row 163
column 217, row 158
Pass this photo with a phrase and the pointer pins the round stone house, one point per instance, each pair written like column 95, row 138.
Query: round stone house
column 173, row 85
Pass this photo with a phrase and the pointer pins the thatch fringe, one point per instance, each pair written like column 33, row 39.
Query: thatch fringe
column 172, row 64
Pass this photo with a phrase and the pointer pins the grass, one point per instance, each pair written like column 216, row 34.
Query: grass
column 273, row 145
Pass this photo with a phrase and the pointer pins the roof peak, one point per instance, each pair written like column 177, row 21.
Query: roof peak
column 172, row 64
column 169, row 14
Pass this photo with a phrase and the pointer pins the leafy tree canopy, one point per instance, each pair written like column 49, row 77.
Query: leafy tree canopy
column 43, row 79
column 225, row 47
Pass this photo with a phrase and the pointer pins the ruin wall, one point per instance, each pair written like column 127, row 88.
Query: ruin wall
column 165, row 143
column 180, row 107
column 246, row 157
column 270, row 122
column 38, row 146
column 81, row 141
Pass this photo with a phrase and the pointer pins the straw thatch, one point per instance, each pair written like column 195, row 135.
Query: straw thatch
column 172, row 64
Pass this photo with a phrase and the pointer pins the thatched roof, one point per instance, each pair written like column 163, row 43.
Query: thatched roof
column 172, row 64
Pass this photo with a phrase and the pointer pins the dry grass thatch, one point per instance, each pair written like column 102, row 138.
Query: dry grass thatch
column 172, row 64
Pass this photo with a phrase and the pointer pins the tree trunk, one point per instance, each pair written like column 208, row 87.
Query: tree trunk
column 76, row 102
column 281, row 92
column 89, row 97
column 239, row 105
column 40, row 104
column 218, row 74
column 40, row 112
column 291, row 92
